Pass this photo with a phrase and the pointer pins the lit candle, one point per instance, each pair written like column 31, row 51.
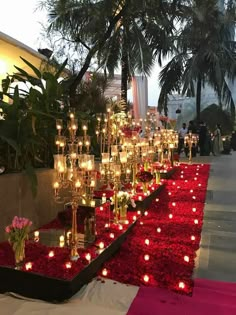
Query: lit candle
column 146, row 278
column 194, row 209
column 28, row 266
column 181, row 285
column 170, row 215
column 134, row 218
column 62, row 238
column 88, row 257
column 104, row 199
column 158, row 230
column 140, row 198
column 146, row 257
column 173, row 204
column 92, row 184
column 195, row 221
column 56, row 185
column 192, row 238
column 112, row 235
column 101, row 245
column 146, row 213
column 104, row 272
column 61, row 244
column 51, row 253
column 147, row 242
column 36, row 234
column 186, row 258
column 92, row 203
column 68, row 265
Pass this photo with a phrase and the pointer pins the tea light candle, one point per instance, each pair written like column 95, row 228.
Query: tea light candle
column 146, row 257
column 68, row 265
column 192, row 238
column 104, row 272
column 28, row 266
column 51, row 253
column 158, row 230
column 140, row 198
column 147, row 242
column 88, row 257
column 101, row 245
column 181, row 285
column 104, row 199
column 112, row 235
column 62, row 238
column 195, row 221
column 170, row 216
column 186, row 258
column 146, row 278
column 36, row 234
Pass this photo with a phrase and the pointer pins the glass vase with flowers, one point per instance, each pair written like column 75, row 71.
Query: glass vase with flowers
column 18, row 232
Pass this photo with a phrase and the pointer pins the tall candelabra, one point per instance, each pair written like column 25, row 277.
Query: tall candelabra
column 75, row 173
column 190, row 140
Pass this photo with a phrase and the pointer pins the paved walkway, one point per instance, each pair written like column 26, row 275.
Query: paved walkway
column 216, row 258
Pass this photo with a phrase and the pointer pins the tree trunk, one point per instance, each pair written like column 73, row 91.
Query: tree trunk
column 198, row 98
column 97, row 46
column 124, row 75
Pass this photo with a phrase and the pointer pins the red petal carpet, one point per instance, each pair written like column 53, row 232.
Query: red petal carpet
column 161, row 249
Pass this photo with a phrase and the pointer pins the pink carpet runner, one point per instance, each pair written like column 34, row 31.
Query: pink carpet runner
column 209, row 297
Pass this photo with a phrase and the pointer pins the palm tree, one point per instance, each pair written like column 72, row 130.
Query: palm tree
column 205, row 53
column 114, row 31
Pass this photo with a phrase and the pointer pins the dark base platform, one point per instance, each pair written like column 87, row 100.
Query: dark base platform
column 37, row 286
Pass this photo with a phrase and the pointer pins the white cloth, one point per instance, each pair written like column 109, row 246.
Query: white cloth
column 95, row 298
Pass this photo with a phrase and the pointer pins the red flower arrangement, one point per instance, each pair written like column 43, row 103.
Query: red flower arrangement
column 144, row 176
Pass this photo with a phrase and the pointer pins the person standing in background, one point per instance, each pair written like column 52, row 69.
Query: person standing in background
column 182, row 132
column 217, row 141
column 202, row 138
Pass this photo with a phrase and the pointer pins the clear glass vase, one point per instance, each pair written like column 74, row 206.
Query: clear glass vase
column 19, row 252
column 123, row 213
